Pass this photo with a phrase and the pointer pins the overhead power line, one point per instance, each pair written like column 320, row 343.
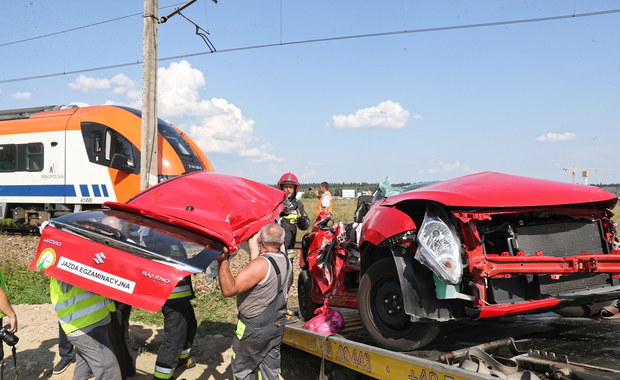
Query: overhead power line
column 299, row 42
column 78, row 28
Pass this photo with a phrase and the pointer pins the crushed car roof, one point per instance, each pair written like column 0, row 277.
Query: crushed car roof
column 227, row 208
column 491, row 189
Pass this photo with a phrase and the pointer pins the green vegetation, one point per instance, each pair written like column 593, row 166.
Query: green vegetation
column 26, row 286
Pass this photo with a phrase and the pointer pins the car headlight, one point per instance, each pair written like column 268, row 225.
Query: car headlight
column 439, row 248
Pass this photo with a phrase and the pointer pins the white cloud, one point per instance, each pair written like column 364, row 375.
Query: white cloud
column 555, row 137
column 22, row 95
column 387, row 114
column 215, row 125
column 120, row 84
column 442, row 167
column 86, row 84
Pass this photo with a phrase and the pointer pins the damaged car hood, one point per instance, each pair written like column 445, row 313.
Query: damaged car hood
column 490, row 189
column 228, row 208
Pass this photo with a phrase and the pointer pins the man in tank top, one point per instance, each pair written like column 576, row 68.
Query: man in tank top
column 261, row 289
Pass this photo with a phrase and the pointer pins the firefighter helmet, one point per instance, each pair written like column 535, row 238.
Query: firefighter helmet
column 288, row 179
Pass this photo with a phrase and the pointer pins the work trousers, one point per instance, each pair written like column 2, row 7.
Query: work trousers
column 256, row 344
column 179, row 332
column 94, row 357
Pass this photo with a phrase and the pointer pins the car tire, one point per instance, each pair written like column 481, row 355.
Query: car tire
column 304, row 295
column 380, row 304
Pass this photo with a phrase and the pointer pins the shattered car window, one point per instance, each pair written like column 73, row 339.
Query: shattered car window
column 143, row 237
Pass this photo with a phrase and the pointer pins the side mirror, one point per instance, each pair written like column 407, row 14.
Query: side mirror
column 121, row 162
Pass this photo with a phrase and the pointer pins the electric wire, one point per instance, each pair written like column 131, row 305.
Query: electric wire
column 326, row 39
column 78, row 27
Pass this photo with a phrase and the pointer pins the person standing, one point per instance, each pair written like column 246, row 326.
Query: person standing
column 180, row 322
column 293, row 215
column 325, row 200
column 85, row 317
column 6, row 310
column 261, row 288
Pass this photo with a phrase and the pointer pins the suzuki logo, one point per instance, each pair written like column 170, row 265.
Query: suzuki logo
column 99, row 258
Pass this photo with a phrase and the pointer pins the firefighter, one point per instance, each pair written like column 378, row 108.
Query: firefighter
column 293, row 215
column 179, row 318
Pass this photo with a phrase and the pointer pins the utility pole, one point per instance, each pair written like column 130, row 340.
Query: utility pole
column 149, row 157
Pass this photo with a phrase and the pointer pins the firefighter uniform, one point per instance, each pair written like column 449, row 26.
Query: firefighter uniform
column 293, row 215
column 179, row 331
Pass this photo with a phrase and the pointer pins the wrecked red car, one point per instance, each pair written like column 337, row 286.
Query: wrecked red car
column 480, row 246
column 136, row 252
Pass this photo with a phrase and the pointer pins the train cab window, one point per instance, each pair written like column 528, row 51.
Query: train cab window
column 8, row 157
column 103, row 143
column 116, row 143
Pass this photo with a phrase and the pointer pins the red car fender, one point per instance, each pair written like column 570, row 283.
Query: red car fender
column 104, row 270
column 383, row 222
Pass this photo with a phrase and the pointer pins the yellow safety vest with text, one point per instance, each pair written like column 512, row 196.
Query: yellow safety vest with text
column 78, row 308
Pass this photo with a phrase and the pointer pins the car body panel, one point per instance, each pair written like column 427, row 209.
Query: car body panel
column 105, row 270
column 230, row 209
column 497, row 190
column 382, row 222
column 199, row 210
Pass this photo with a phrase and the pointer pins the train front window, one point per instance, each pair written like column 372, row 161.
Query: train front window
column 174, row 139
column 116, row 143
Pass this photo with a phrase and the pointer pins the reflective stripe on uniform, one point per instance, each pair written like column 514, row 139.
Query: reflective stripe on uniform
column 163, row 372
column 84, row 312
column 185, row 353
column 240, row 330
column 181, row 291
column 78, row 308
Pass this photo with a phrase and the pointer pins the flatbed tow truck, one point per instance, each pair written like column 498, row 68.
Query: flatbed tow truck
column 536, row 346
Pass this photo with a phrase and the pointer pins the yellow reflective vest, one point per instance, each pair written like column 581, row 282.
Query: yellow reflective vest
column 4, row 287
column 78, row 308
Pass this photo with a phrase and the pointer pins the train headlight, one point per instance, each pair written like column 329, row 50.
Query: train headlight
column 439, row 248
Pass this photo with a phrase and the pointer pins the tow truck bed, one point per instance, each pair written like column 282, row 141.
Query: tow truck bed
column 586, row 348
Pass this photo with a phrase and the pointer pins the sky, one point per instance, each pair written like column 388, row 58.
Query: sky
column 344, row 91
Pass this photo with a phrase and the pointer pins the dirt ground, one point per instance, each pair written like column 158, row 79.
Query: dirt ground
column 37, row 349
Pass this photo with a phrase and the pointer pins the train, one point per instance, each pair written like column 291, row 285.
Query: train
column 56, row 160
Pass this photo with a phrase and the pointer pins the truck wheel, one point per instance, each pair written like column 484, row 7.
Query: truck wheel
column 380, row 304
column 304, row 295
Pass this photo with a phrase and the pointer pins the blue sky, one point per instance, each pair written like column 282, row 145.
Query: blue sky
column 526, row 98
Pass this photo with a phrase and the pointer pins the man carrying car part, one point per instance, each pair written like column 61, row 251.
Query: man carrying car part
column 261, row 289
column 84, row 316
column 293, row 215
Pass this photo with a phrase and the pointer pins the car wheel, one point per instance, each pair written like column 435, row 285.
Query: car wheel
column 304, row 295
column 380, row 304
